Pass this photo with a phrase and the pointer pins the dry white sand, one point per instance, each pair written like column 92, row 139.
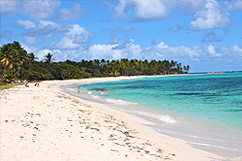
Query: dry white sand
column 46, row 124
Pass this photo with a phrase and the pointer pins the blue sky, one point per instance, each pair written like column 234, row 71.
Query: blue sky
column 205, row 34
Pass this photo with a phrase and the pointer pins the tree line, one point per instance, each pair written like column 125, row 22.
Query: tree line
column 17, row 64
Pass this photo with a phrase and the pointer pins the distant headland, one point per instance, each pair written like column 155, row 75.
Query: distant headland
column 214, row 73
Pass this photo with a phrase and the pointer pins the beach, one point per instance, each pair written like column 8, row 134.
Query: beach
column 47, row 124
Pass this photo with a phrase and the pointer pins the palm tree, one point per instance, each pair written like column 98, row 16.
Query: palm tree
column 188, row 67
column 103, row 62
column 185, row 68
column 12, row 57
column 7, row 59
column 96, row 62
column 49, row 58
column 32, row 57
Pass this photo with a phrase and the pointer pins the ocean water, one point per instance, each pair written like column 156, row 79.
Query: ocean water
column 204, row 110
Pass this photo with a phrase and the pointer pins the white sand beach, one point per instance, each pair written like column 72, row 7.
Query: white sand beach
column 39, row 124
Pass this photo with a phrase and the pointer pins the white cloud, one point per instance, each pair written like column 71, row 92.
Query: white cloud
column 44, row 28
column 41, row 54
column 44, row 23
column 69, row 15
column 191, row 6
column 211, row 49
column 134, row 51
column 178, row 51
column 9, row 7
column 237, row 50
column 26, row 24
column 76, row 29
column 144, row 9
column 159, row 52
column 113, row 52
column 162, row 45
column 40, row 9
column 35, row 9
column 30, row 49
column 208, row 14
column 102, row 51
column 76, row 37
column 200, row 57
column 233, row 5
column 64, row 43
column 210, row 17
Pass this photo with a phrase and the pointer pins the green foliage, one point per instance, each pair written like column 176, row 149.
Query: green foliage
column 16, row 64
column 12, row 59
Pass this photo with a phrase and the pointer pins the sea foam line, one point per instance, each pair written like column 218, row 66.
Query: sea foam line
column 120, row 102
column 216, row 146
column 163, row 118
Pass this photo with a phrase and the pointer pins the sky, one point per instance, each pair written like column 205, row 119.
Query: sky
column 205, row 34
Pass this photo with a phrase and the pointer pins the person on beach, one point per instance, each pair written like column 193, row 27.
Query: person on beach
column 26, row 83
column 78, row 89
column 36, row 84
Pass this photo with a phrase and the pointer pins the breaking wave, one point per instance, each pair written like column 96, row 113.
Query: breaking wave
column 120, row 102
column 164, row 118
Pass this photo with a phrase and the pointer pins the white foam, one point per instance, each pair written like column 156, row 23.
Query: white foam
column 211, row 145
column 103, row 93
column 120, row 102
column 163, row 118
column 94, row 96
column 89, row 92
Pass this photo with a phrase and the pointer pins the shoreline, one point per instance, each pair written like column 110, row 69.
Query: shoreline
column 200, row 134
column 42, row 120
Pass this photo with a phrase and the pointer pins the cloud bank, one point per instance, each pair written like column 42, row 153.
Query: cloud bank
column 189, row 55
column 42, row 9
column 207, row 14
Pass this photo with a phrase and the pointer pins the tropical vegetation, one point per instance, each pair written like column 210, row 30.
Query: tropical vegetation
column 16, row 64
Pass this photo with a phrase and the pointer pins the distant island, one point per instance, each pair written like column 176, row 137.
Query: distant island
column 214, row 73
column 17, row 64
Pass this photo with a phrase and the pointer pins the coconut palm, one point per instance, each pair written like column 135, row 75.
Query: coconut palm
column 32, row 57
column 7, row 59
column 12, row 57
column 49, row 58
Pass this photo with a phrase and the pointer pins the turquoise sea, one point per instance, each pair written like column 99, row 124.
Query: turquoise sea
column 204, row 110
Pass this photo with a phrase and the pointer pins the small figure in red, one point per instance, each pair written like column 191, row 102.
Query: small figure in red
column 36, row 84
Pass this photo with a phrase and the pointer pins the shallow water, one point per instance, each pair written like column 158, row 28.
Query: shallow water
column 205, row 110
